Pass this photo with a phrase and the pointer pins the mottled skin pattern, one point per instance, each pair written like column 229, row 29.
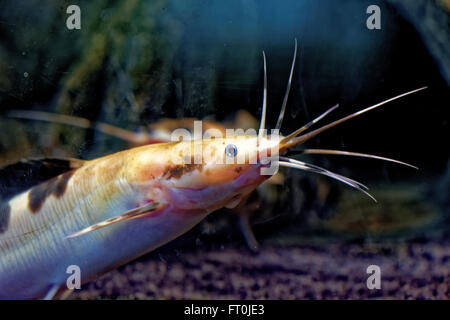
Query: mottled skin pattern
column 55, row 186
column 35, row 251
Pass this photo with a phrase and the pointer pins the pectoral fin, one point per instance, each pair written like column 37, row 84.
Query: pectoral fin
column 131, row 214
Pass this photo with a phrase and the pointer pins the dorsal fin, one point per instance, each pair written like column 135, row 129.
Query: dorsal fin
column 26, row 173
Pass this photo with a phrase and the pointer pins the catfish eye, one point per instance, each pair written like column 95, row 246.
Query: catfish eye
column 231, row 150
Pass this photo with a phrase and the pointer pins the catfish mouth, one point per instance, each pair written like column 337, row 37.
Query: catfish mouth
column 242, row 192
column 251, row 179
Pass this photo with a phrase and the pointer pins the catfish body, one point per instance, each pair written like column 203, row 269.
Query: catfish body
column 35, row 250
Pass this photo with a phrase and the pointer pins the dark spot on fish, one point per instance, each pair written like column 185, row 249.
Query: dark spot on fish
column 5, row 211
column 238, row 169
column 56, row 186
column 177, row 171
column 27, row 173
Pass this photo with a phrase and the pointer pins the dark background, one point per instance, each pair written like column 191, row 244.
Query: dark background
column 134, row 62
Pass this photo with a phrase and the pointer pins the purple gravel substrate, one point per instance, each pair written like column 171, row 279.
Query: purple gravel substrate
column 410, row 271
